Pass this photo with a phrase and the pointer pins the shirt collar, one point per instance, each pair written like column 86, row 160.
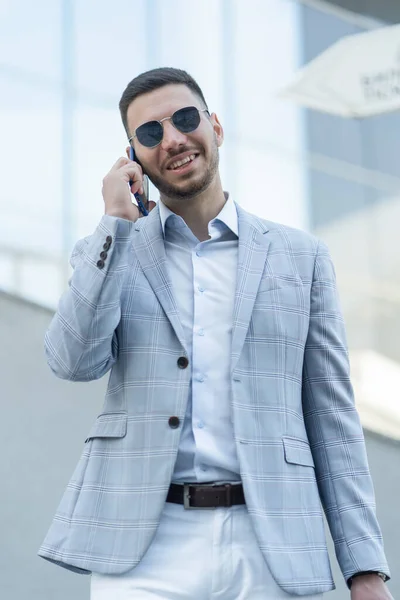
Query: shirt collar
column 227, row 215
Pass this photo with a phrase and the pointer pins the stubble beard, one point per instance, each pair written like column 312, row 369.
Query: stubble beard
column 193, row 188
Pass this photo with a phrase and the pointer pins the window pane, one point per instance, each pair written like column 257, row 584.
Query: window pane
column 30, row 35
column 354, row 204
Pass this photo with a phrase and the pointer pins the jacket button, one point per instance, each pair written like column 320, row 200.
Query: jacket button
column 109, row 239
column 100, row 264
column 183, row 362
column 174, row 422
column 103, row 255
column 106, row 246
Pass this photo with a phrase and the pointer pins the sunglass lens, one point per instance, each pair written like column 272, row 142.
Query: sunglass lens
column 150, row 134
column 186, row 119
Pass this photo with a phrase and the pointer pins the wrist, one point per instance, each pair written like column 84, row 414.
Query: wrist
column 363, row 574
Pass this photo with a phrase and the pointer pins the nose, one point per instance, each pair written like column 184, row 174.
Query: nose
column 172, row 138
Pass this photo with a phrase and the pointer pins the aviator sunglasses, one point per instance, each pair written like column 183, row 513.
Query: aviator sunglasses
column 185, row 120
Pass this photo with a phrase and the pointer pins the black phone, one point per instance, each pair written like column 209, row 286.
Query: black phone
column 144, row 198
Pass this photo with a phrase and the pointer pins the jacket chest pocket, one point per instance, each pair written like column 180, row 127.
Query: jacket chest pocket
column 282, row 309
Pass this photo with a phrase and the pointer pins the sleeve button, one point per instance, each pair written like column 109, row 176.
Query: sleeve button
column 100, row 264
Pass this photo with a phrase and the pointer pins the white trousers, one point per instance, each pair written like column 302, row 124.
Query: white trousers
column 197, row 555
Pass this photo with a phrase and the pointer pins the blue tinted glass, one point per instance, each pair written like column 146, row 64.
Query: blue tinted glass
column 150, row 134
column 186, row 119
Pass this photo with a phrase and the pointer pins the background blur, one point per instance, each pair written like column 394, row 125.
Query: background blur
column 63, row 67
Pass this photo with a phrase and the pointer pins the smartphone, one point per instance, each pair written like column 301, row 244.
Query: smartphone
column 144, row 198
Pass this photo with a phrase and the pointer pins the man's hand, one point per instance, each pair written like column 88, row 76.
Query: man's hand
column 369, row 587
column 116, row 194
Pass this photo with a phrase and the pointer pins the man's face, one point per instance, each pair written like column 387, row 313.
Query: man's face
column 191, row 179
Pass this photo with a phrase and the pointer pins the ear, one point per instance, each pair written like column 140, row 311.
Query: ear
column 218, row 129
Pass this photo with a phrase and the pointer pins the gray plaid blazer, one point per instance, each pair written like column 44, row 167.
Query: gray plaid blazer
column 298, row 435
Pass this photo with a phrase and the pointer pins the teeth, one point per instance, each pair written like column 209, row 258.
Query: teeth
column 179, row 163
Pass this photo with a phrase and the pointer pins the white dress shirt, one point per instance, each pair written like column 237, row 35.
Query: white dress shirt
column 203, row 276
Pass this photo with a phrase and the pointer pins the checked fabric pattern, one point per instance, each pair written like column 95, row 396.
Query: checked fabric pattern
column 298, row 436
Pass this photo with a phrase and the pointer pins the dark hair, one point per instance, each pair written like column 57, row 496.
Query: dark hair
column 153, row 80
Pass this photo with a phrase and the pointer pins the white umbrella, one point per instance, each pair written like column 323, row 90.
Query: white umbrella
column 359, row 76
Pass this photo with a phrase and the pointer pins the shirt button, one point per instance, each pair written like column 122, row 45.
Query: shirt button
column 198, row 253
column 201, row 289
column 201, row 331
column 182, row 362
column 200, row 424
column 200, row 378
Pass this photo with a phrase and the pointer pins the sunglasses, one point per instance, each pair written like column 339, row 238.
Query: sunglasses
column 185, row 120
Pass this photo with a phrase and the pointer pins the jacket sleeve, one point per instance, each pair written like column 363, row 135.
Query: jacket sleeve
column 81, row 343
column 335, row 432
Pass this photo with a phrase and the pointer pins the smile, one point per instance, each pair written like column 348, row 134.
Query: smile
column 181, row 163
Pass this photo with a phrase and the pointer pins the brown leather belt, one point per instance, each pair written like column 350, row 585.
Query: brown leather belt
column 206, row 495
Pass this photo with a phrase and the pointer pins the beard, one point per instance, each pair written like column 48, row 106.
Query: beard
column 192, row 188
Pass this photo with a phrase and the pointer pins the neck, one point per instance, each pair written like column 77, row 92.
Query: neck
column 197, row 212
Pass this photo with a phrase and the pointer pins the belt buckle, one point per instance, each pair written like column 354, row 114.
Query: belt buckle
column 186, row 497
column 186, row 500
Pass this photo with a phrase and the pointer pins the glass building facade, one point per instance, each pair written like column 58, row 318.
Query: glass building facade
column 353, row 186
column 63, row 67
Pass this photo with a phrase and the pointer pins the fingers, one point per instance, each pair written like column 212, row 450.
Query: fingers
column 120, row 163
column 128, row 167
column 135, row 181
column 132, row 168
column 131, row 172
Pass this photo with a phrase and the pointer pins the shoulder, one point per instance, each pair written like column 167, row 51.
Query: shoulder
column 293, row 237
column 297, row 250
column 290, row 238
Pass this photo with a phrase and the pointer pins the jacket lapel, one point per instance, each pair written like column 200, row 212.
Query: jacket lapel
column 253, row 250
column 150, row 251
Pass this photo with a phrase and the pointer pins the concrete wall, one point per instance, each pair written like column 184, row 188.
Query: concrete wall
column 42, row 431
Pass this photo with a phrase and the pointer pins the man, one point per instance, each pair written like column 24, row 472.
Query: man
column 229, row 386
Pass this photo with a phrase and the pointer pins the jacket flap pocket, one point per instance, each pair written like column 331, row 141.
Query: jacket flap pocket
column 270, row 283
column 109, row 425
column 297, row 451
